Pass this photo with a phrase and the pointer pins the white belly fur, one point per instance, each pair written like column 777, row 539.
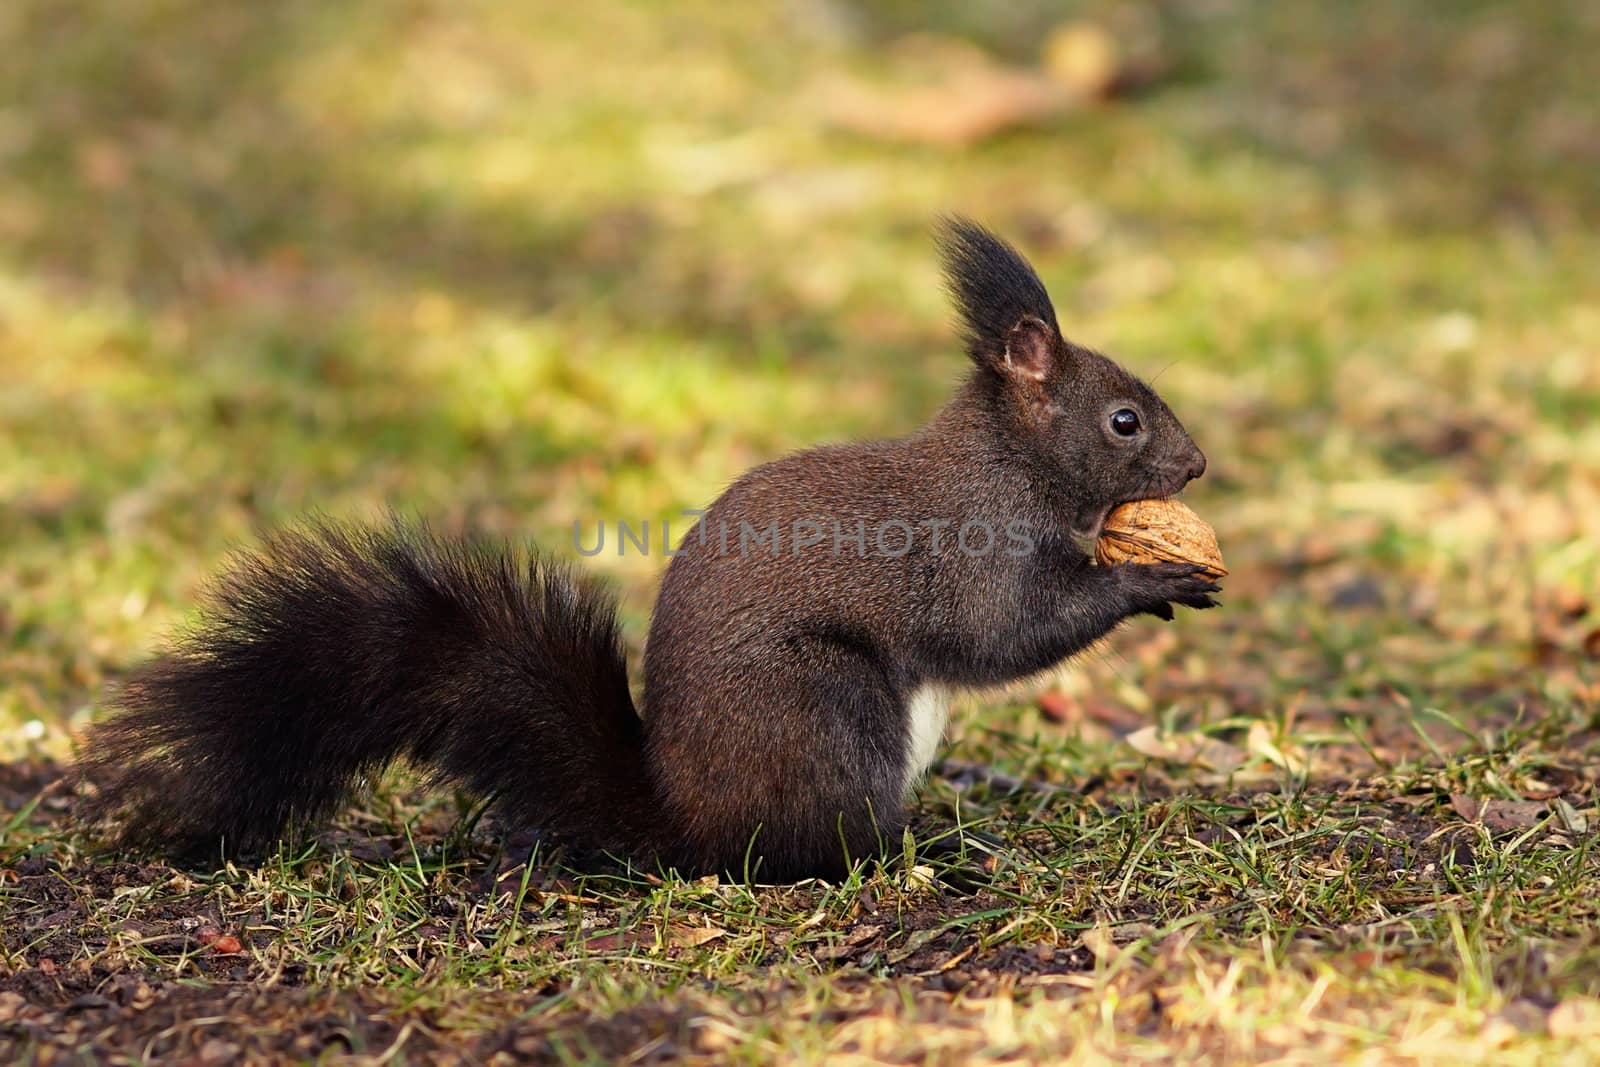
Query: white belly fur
column 927, row 709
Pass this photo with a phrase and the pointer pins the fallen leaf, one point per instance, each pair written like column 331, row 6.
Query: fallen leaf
column 694, row 936
column 852, row 943
column 1533, row 789
column 626, row 939
column 1499, row 815
column 1098, row 940
column 1260, row 743
column 1116, row 716
column 1572, row 820
column 1193, row 749
column 1128, row 933
column 1059, row 707
column 914, row 944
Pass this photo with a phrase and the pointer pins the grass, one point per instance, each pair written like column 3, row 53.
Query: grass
column 509, row 267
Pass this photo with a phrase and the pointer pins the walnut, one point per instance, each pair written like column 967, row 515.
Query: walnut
column 1158, row 531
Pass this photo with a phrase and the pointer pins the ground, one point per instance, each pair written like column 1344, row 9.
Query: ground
column 515, row 265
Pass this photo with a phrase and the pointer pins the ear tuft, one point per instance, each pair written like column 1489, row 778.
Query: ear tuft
column 996, row 293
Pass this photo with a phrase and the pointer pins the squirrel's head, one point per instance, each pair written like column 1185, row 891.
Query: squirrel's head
column 1101, row 436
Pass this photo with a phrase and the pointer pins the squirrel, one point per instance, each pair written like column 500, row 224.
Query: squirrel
column 796, row 684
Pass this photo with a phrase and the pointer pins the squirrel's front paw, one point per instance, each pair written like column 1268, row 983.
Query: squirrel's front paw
column 1156, row 587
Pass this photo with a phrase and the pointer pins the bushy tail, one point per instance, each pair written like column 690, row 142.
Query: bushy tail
column 333, row 650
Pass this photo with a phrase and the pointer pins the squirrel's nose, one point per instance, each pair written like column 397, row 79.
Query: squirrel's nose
column 1197, row 466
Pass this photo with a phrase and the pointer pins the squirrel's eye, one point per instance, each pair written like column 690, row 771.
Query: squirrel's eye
column 1125, row 422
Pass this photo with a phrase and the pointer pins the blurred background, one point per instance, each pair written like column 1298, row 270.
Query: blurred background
column 515, row 264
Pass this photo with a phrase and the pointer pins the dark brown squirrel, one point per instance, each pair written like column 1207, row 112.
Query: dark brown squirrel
column 800, row 659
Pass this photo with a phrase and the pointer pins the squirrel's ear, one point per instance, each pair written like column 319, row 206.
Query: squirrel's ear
column 1009, row 325
column 1031, row 351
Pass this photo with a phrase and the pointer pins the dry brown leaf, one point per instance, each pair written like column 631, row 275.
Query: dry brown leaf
column 622, row 941
column 913, row 944
column 1059, row 707
column 1572, row 820
column 862, row 934
column 1194, row 749
column 1116, row 716
column 1533, row 789
column 1499, row 815
column 695, row 936
column 1260, row 743
column 1098, row 939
